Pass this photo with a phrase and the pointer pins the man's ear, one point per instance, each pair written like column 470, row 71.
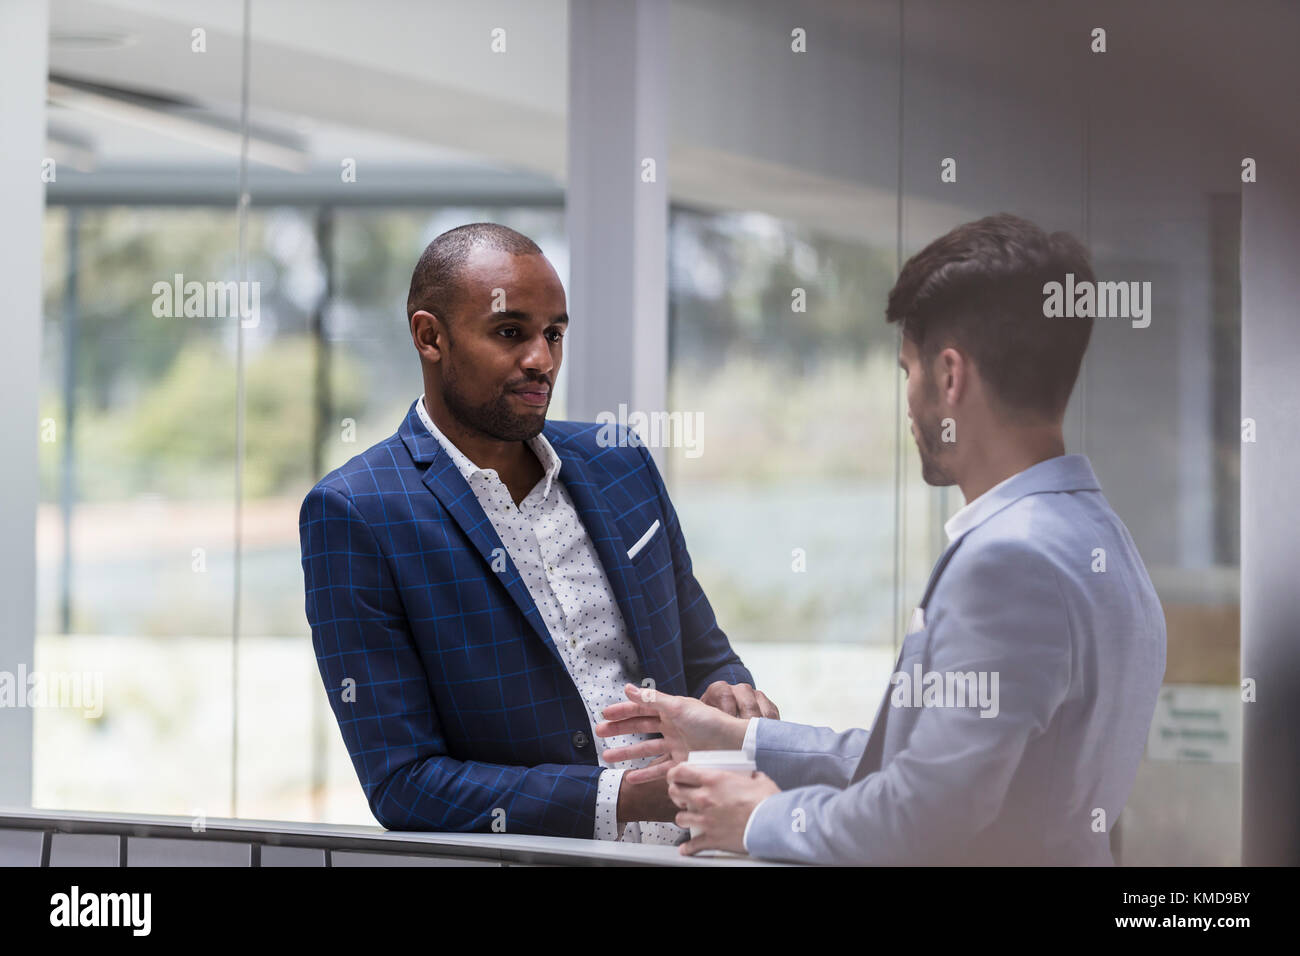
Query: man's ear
column 952, row 371
column 429, row 335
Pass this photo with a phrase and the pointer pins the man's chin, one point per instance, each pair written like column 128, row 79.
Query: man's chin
column 935, row 477
column 528, row 427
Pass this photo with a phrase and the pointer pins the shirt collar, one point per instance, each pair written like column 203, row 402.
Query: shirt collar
column 550, row 461
column 1061, row 473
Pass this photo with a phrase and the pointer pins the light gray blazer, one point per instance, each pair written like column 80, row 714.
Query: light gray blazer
column 1044, row 588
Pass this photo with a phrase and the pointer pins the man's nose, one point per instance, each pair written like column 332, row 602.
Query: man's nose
column 538, row 356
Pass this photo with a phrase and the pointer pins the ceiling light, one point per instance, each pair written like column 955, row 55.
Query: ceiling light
column 188, row 125
column 84, row 41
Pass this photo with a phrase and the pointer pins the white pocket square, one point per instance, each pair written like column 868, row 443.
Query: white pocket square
column 633, row 551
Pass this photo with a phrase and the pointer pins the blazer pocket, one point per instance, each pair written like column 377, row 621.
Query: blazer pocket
column 636, row 549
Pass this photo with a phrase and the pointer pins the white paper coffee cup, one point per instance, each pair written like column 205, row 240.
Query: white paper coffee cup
column 734, row 761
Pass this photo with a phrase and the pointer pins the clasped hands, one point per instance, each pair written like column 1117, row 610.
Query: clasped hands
column 718, row 803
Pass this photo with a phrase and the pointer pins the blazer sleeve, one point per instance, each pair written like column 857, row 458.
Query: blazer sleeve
column 378, row 690
column 937, row 793
column 706, row 653
column 799, row 754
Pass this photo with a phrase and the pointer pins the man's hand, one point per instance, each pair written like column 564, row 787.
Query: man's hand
column 739, row 700
column 686, row 724
column 718, row 803
column 644, row 801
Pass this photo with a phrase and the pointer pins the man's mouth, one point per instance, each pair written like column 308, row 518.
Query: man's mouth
column 536, row 395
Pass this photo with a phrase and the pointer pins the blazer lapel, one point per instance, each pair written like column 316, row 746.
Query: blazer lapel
column 451, row 488
column 580, row 482
column 871, row 756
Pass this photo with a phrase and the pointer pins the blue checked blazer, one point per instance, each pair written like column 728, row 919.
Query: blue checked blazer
column 451, row 697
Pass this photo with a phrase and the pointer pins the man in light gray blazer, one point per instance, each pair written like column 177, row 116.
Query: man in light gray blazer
column 1019, row 707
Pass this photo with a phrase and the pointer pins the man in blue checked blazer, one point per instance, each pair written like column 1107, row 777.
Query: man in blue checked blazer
column 482, row 583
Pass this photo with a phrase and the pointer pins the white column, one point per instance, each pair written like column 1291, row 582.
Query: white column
column 24, row 44
column 1270, row 517
column 617, row 222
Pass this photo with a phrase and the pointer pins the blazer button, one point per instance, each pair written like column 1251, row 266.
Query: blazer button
column 580, row 740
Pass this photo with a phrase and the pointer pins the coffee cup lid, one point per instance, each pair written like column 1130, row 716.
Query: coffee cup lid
column 720, row 758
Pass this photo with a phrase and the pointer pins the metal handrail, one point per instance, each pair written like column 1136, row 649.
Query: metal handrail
column 503, row 848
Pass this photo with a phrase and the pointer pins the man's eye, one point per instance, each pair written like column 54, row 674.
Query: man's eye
column 555, row 334
column 508, row 332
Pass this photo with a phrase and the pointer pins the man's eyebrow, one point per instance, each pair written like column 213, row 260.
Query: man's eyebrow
column 516, row 315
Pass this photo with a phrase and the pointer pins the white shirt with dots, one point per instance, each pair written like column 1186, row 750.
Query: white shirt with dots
column 554, row 555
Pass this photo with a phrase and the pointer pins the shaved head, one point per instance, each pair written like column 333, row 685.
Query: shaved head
column 435, row 283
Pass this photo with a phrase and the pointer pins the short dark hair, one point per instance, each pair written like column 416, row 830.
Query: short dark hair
column 979, row 288
column 435, row 282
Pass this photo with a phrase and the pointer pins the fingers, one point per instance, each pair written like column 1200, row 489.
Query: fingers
column 629, row 725
column 648, row 708
column 746, row 701
column 625, row 709
column 642, row 707
column 690, row 796
column 644, row 748
column 651, row 772
column 687, row 819
column 686, row 775
column 701, row 841
column 721, row 695
column 650, row 696
column 740, row 700
column 641, row 701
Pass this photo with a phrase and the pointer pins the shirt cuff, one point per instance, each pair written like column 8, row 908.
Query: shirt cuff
column 607, row 788
column 750, row 744
column 750, row 748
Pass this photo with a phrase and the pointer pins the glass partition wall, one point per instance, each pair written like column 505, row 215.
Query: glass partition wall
column 814, row 146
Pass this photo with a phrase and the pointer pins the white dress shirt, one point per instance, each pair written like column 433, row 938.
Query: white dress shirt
column 969, row 514
column 554, row 555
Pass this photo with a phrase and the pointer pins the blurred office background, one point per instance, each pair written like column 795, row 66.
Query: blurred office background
column 168, row 561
